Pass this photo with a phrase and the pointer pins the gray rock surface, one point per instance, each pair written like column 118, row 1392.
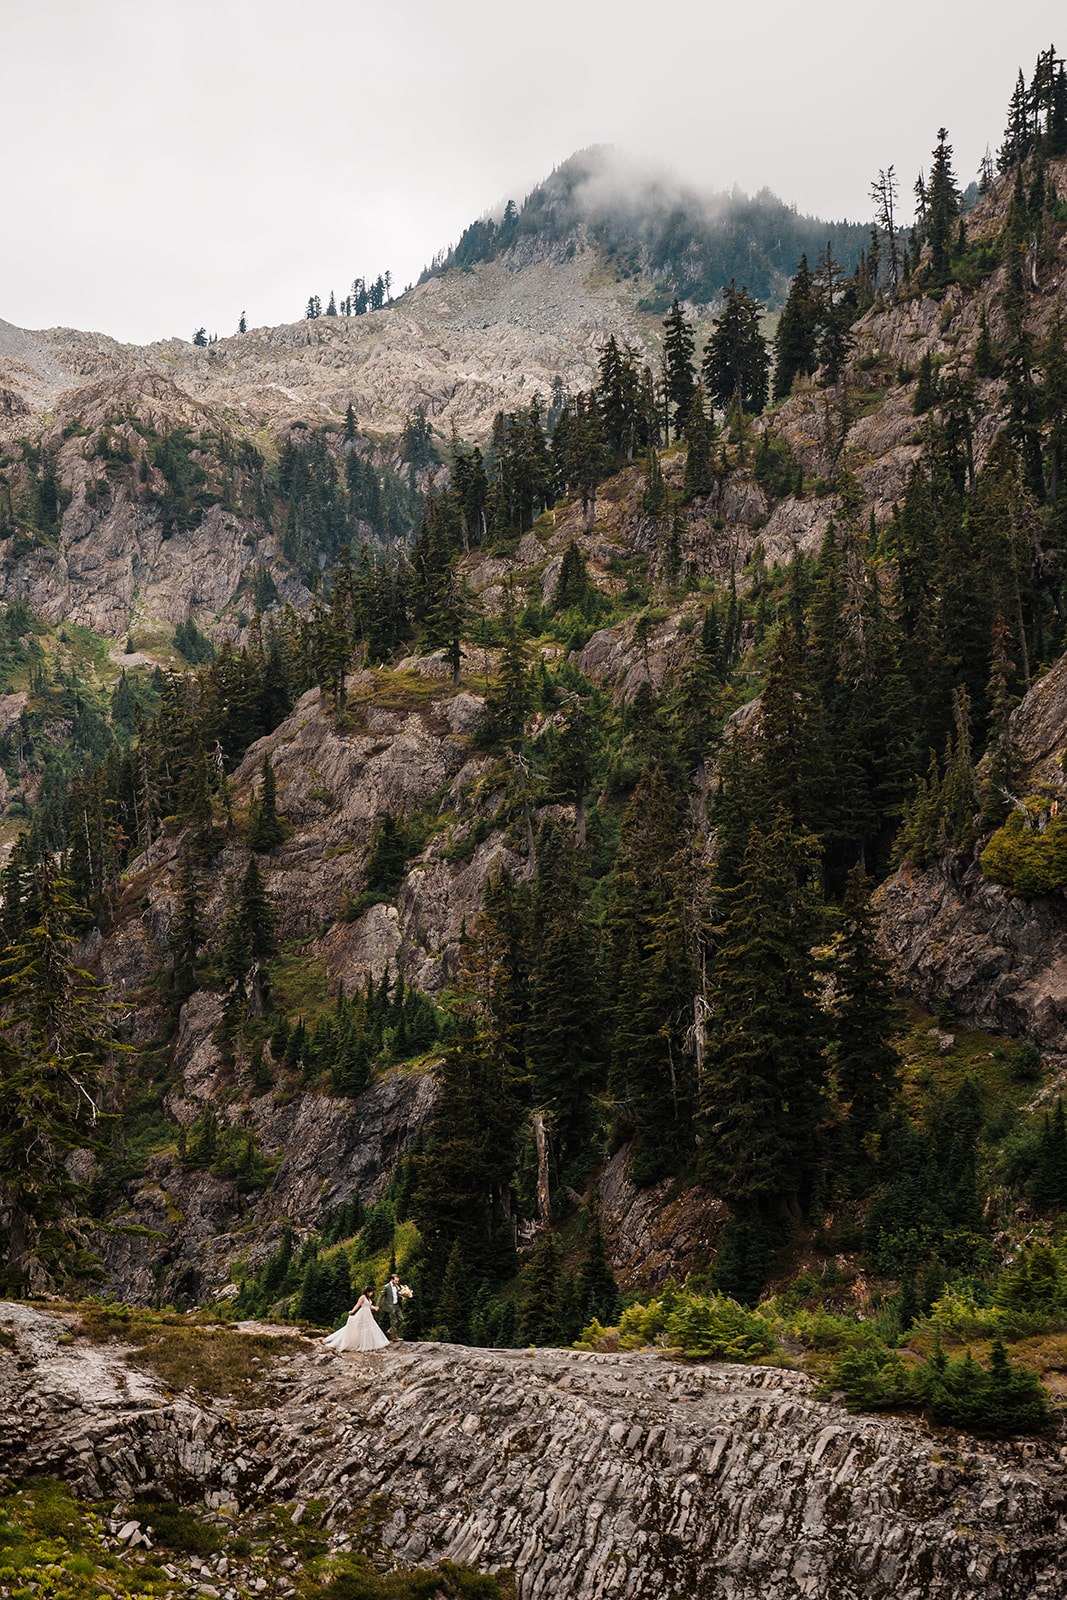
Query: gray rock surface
column 592, row 1476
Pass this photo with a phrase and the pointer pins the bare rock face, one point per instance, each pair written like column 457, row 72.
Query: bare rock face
column 462, row 347
column 591, row 1476
column 184, row 1230
column 658, row 1232
column 1000, row 960
column 116, row 559
column 998, row 957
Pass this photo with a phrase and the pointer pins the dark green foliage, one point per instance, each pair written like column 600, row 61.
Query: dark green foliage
column 462, row 1179
column 184, row 499
column 993, row 1402
column 688, row 250
column 926, row 388
column 699, row 434
column 573, row 588
column 392, row 844
column 764, row 1084
column 266, row 828
column 446, row 1581
column 541, row 1310
column 796, row 337
column 52, row 1054
column 195, row 646
column 736, row 359
column 678, row 380
column 564, row 1034
column 864, row 1017
column 651, row 980
column 1048, row 1181
column 597, row 1290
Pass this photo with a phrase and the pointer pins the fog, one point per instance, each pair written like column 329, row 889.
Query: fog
column 174, row 164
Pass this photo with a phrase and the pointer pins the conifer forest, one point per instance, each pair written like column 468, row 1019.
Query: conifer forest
column 566, row 804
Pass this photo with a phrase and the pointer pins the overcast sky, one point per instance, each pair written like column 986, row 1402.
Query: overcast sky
column 174, row 162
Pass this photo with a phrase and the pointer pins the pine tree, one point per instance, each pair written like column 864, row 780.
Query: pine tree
column 942, row 211
column 52, row 1053
column 865, row 1015
column 655, row 496
column 926, row 388
column 764, row 1084
column 598, row 1292
column 1048, row 1183
column 257, row 914
column 699, row 434
column 1018, row 136
column 736, row 360
column 266, row 830
column 564, row 1041
column 540, row 1308
column 678, row 378
column 188, row 932
column 651, row 979
column 795, row 338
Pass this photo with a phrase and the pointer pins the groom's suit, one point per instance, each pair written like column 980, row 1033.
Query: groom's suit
column 390, row 1308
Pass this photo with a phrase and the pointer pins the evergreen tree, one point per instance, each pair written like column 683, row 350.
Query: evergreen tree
column 736, row 359
column 540, row 1310
column 678, row 379
column 942, row 211
column 796, row 337
column 598, row 1293
column 652, row 984
column 655, row 496
column 698, row 437
column 187, row 933
column 52, row 1054
column 1048, row 1182
column 266, row 829
column 865, row 1016
column 563, row 1036
column 765, row 1071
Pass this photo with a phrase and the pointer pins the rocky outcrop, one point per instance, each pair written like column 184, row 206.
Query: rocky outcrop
column 462, row 347
column 116, row 560
column 180, row 1235
column 590, row 1475
column 998, row 959
column 666, row 1230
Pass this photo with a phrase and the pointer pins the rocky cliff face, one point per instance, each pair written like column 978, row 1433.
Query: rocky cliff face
column 998, row 958
column 120, row 557
column 592, row 1476
column 462, row 346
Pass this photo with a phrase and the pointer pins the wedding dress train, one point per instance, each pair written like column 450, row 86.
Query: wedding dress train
column 360, row 1332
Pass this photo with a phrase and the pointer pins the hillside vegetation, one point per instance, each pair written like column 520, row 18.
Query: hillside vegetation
column 509, row 897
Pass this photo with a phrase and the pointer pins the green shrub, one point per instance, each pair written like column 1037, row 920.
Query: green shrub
column 718, row 1328
column 992, row 1402
column 1025, row 859
column 872, row 1380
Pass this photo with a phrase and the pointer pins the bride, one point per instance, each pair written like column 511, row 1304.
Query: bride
column 360, row 1332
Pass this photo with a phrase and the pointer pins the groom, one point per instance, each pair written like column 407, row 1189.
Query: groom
column 390, row 1308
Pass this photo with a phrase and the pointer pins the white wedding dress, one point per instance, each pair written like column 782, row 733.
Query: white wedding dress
column 360, row 1332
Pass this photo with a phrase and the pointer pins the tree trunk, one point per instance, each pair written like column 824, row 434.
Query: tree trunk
column 540, row 1133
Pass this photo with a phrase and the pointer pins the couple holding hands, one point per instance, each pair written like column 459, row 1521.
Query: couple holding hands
column 361, row 1332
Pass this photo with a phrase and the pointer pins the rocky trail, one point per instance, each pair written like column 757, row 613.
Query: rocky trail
column 591, row 1475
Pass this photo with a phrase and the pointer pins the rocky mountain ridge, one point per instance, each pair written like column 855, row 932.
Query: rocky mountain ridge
column 461, row 347
column 590, row 1475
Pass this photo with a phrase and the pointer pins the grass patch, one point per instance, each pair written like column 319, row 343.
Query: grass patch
column 213, row 1360
column 992, row 1061
column 52, row 1545
column 298, row 982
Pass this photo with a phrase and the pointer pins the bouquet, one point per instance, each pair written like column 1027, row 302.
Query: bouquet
column 404, row 1292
